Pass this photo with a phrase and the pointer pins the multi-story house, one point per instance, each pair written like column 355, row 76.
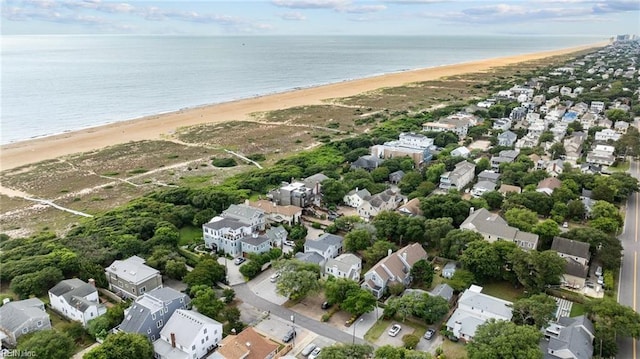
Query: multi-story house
column 236, row 231
column 275, row 213
column 493, row 228
column 601, row 155
column 507, row 138
column 474, row 309
column 76, row 300
column 506, row 156
column 20, row 318
column 150, row 312
column 459, row 178
column 502, row 124
column 597, row 106
column 367, row 163
column 388, row 200
column 327, row 245
column 355, row 197
column 412, row 145
column 346, row 265
column 573, row 146
column 189, row 335
column 394, row 268
column 131, row 278
column 569, row 338
column 621, row 127
column 576, row 255
column 606, row 135
column 294, row 193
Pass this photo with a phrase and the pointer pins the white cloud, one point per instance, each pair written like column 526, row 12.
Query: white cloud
column 312, row 4
column 292, row 16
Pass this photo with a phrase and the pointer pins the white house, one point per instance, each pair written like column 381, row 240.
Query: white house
column 355, row 197
column 235, row 231
column 76, row 300
column 474, row 309
column 187, row 334
column 461, row 152
column 327, row 245
column 461, row 176
column 346, row 265
column 601, row 155
column 507, row 138
column 607, row 134
column 502, row 124
column 384, row 201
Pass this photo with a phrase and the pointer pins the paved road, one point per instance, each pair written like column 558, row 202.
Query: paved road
column 629, row 290
column 246, row 295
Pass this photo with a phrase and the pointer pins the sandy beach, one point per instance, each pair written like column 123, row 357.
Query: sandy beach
column 153, row 127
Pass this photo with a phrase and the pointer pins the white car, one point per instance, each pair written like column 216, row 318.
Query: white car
column 315, row 353
column 289, row 243
column 274, row 277
column 395, row 329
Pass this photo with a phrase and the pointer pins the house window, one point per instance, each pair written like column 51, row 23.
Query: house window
column 193, row 347
column 159, row 324
column 202, row 341
column 39, row 323
column 205, row 331
column 206, row 338
column 153, row 316
column 149, row 331
column 25, row 330
column 143, row 289
column 133, row 290
column 153, row 338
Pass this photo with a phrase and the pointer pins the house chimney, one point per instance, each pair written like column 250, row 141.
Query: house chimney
column 246, row 202
column 471, row 210
column 173, row 340
column 389, row 251
column 404, row 256
column 92, row 282
column 356, row 189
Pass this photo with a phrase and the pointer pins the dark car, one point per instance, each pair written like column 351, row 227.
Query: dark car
column 290, row 334
column 429, row 334
column 325, row 305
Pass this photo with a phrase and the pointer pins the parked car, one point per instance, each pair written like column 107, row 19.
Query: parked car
column 429, row 334
column 308, row 349
column 599, row 271
column 395, row 329
column 238, row 261
column 290, row 334
column 315, row 353
column 325, row 305
column 290, row 243
column 274, row 277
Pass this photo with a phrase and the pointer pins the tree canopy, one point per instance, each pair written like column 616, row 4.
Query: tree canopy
column 505, row 340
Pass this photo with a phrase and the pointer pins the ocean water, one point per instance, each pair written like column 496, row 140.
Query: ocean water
column 54, row 84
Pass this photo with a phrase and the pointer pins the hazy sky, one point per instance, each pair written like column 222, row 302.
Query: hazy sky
column 322, row 17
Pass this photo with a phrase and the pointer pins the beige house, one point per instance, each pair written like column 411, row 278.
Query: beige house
column 276, row 213
column 394, row 268
column 248, row 344
column 494, row 228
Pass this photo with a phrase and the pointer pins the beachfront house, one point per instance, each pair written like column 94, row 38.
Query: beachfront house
column 237, row 231
column 414, row 146
column 76, row 300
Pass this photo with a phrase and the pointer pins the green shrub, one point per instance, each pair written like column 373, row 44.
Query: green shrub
column 224, row 162
column 410, row 341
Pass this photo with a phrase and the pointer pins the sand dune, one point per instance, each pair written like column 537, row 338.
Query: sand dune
column 153, row 127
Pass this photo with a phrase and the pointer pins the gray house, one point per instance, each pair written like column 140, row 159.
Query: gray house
column 277, row 236
column 489, row 176
column 507, row 138
column 20, row 318
column 150, row 312
column 569, row 338
column 367, row 162
column 449, row 270
column 327, row 245
column 131, row 278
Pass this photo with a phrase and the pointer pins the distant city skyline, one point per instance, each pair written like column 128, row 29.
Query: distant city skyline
column 323, row 17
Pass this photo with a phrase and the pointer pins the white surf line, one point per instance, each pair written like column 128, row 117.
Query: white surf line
column 49, row 203
column 244, row 158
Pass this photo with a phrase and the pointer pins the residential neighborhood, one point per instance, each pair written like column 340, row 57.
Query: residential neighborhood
column 499, row 215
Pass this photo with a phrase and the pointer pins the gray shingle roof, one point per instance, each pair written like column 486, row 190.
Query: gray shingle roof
column 148, row 303
column 508, row 135
column 575, row 337
column 14, row 314
column 255, row 241
column 74, row 292
column 488, row 176
column 223, row 222
column 309, row 257
column 571, row 247
column 443, row 290
column 132, row 269
column 325, row 241
column 242, row 212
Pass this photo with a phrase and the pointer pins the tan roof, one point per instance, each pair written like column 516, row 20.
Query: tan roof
column 414, row 252
column 413, row 207
column 235, row 346
column 270, row 207
column 551, row 183
column 506, row 188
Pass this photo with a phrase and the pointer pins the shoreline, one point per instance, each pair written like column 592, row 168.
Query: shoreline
column 152, row 127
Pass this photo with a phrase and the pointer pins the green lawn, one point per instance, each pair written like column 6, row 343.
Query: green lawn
column 577, row 309
column 621, row 167
column 503, row 290
column 376, row 330
column 190, row 235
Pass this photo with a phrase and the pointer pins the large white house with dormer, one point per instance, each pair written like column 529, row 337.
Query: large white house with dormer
column 76, row 300
column 236, row 231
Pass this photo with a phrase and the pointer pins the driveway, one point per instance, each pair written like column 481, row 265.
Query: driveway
column 233, row 271
column 264, row 288
column 430, row 346
column 396, row 341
